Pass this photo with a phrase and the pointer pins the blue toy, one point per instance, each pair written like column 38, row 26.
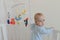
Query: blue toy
column 18, row 18
column 8, row 21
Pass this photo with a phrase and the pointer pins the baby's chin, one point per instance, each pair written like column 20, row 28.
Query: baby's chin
column 40, row 25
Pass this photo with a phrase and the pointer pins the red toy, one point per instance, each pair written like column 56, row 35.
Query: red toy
column 12, row 21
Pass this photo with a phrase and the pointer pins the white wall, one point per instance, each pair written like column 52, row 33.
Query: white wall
column 50, row 8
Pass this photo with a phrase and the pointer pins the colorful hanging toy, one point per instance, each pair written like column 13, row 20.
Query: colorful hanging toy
column 26, row 22
column 8, row 15
column 8, row 21
column 12, row 21
column 18, row 18
column 23, row 11
column 18, row 22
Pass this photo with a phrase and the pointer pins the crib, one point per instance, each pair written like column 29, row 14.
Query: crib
column 4, row 34
column 55, row 35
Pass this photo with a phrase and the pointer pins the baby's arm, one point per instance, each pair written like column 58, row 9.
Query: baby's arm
column 46, row 30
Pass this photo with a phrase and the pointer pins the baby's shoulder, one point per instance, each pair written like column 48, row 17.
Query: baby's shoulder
column 32, row 24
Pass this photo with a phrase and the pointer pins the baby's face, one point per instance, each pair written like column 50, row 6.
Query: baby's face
column 40, row 20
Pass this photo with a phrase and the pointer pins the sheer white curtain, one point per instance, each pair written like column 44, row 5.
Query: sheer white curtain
column 3, row 32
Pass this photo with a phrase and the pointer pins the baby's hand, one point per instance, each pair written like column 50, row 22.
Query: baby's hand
column 53, row 28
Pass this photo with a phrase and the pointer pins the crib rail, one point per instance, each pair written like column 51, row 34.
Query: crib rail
column 55, row 35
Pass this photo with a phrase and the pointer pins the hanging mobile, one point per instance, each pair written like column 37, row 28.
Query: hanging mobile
column 8, row 21
column 26, row 22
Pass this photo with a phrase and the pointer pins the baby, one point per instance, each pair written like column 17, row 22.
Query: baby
column 38, row 28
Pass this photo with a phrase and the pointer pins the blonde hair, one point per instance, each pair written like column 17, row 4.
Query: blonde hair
column 37, row 14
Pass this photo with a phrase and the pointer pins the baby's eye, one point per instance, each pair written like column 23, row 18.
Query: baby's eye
column 41, row 20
